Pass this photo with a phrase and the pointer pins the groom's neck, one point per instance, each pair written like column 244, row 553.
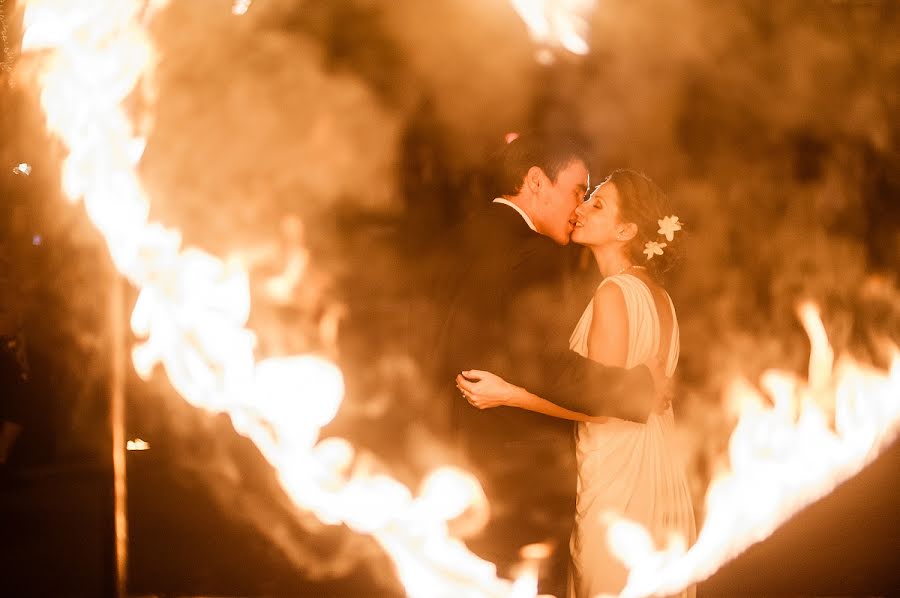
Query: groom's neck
column 525, row 204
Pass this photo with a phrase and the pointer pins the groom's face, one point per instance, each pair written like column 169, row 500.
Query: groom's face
column 560, row 200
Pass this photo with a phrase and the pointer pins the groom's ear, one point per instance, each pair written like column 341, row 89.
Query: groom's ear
column 534, row 179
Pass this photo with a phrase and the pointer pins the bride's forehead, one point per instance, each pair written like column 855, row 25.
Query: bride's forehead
column 605, row 191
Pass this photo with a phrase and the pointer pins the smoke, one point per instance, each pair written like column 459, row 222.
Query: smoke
column 248, row 115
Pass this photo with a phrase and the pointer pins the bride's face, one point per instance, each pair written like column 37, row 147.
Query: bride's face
column 597, row 219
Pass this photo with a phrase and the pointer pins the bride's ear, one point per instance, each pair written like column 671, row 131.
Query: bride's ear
column 627, row 232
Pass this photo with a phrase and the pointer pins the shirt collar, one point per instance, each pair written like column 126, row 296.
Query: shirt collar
column 519, row 210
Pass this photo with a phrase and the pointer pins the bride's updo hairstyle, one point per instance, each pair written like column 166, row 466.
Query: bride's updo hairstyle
column 642, row 202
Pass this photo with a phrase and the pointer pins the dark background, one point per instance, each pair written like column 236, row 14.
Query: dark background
column 772, row 126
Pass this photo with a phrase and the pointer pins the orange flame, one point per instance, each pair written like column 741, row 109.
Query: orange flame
column 562, row 23
column 192, row 308
column 23, row 168
column 240, row 7
column 816, row 435
column 137, row 444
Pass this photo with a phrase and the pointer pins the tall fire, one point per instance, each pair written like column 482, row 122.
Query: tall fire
column 192, row 308
column 788, row 449
column 94, row 64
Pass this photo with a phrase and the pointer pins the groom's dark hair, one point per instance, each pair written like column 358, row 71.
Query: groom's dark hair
column 550, row 153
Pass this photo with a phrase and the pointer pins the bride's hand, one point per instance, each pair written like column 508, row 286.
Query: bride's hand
column 485, row 390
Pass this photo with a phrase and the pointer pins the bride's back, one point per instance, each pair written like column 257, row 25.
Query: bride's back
column 667, row 322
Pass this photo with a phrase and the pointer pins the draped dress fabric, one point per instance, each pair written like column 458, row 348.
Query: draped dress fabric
column 624, row 468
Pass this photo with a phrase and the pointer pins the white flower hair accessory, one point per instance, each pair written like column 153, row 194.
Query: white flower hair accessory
column 668, row 226
column 652, row 248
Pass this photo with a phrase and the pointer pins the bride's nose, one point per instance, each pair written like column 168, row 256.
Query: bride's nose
column 579, row 209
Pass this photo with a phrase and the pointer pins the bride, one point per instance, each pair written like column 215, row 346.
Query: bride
column 625, row 469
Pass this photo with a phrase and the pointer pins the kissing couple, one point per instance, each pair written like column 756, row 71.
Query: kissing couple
column 536, row 378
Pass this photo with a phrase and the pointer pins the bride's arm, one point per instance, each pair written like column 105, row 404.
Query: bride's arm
column 486, row 390
column 532, row 402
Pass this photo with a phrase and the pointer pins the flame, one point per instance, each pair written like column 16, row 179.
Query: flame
column 527, row 571
column 192, row 307
column 552, row 23
column 785, row 455
column 22, row 168
column 137, row 445
column 241, row 7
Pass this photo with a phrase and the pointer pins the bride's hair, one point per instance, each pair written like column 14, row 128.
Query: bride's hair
column 642, row 202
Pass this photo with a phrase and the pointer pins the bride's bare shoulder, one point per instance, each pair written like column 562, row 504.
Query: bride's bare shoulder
column 608, row 336
column 609, row 302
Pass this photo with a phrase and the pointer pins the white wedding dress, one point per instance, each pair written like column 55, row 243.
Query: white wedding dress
column 624, row 468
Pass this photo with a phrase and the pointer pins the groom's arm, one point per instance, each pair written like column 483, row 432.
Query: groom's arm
column 566, row 378
column 579, row 384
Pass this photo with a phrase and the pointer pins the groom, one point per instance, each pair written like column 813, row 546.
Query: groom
column 508, row 312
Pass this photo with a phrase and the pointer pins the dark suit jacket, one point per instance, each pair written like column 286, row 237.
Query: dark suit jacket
column 506, row 311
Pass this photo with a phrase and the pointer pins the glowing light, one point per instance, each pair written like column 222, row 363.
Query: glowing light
column 23, row 169
column 556, row 23
column 526, row 578
column 816, row 434
column 241, row 6
column 137, row 445
column 536, row 552
column 526, row 583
